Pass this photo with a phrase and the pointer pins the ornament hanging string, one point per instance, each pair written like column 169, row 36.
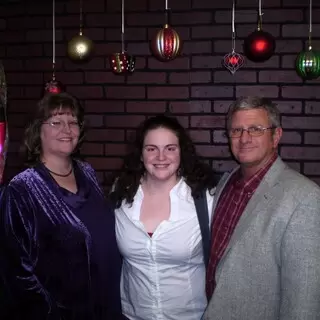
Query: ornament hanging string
column 260, row 15
column 233, row 28
column 53, row 40
column 80, row 17
column 122, row 26
column 310, row 25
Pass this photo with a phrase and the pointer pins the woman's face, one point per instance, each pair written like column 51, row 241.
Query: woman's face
column 161, row 154
column 60, row 134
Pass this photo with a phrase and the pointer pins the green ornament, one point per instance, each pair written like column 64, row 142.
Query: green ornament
column 308, row 64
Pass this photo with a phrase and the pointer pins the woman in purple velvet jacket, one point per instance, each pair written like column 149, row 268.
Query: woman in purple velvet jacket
column 61, row 256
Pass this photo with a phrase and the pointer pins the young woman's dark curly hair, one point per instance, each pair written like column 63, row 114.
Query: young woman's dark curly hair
column 198, row 175
column 46, row 107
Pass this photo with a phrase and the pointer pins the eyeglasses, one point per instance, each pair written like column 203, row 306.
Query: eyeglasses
column 59, row 125
column 252, row 131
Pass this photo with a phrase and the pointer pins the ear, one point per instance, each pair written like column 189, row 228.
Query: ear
column 277, row 136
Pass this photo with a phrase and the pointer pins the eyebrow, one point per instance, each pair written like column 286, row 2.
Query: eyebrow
column 168, row 145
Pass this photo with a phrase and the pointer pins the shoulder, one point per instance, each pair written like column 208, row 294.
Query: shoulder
column 23, row 180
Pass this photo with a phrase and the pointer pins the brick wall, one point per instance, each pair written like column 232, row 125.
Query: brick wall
column 194, row 87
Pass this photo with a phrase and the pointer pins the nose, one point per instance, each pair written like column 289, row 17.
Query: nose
column 245, row 136
column 66, row 127
column 161, row 155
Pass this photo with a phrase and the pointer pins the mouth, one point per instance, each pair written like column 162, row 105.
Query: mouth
column 161, row 166
column 65, row 139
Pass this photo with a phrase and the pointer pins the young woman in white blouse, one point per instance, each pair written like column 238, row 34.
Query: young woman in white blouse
column 158, row 232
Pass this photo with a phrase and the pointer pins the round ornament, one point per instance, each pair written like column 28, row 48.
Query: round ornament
column 166, row 45
column 122, row 63
column 308, row 64
column 80, row 48
column 53, row 86
column 259, row 46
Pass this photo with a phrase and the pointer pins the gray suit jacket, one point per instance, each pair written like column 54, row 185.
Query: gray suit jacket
column 271, row 267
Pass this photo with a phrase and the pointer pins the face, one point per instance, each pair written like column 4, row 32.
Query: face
column 60, row 134
column 253, row 151
column 161, row 154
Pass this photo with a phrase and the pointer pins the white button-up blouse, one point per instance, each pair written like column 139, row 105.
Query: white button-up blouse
column 163, row 276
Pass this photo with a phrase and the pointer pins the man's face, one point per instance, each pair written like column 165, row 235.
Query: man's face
column 253, row 151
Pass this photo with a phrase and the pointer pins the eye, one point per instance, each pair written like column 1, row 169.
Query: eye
column 150, row 149
column 235, row 130
column 255, row 129
column 56, row 123
column 73, row 123
column 172, row 148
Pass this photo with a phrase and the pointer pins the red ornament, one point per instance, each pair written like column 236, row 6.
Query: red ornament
column 233, row 61
column 259, row 46
column 53, row 86
column 122, row 63
column 166, row 45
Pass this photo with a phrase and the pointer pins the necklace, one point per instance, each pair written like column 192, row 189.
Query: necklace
column 59, row 174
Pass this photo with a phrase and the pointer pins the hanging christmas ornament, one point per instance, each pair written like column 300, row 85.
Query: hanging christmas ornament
column 80, row 47
column 4, row 132
column 166, row 45
column 308, row 62
column 233, row 60
column 122, row 62
column 260, row 45
column 53, row 86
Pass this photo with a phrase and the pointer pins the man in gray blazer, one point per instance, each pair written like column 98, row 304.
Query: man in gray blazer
column 265, row 243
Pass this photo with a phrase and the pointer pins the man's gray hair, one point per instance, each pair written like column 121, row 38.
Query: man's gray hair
column 254, row 102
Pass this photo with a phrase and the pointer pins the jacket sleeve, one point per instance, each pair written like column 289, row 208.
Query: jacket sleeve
column 300, row 261
column 20, row 246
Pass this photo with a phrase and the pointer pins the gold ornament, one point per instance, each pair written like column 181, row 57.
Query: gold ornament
column 80, row 48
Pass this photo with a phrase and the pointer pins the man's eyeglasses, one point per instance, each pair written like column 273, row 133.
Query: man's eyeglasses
column 59, row 125
column 252, row 131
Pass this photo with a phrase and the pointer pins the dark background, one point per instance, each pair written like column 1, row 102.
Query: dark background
column 194, row 87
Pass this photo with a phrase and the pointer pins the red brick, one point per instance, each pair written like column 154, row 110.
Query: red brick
column 288, row 61
column 200, row 136
column 208, row 151
column 300, row 122
column 42, row 8
column 312, row 107
column 165, row 92
column 22, row 106
column 206, row 62
column 205, row 121
column 102, row 77
column 183, row 120
column 128, row 92
column 289, row 107
column 221, row 106
column 11, row 10
column 145, row 19
column 211, row 91
column 92, row 149
column 115, row 149
column 180, row 63
column 300, row 92
column 93, row 64
column 191, row 18
column 103, row 19
column 192, row 106
column 225, row 46
column 241, row 16
column 243, row 30
column 253, row 3
column 22, row 23
column 23, row 78
column 315, row 179
column 197, row 47
column 241, row 76
column 60, row 49
column 298, row 30
column 289, row 46
column 210, row 32
column 136, row 5
column 190, row 77
column 104, row 163
column 88, row 6
column 279, row 77
column 311, row 168
column 44, row 35
column 220, row 136
column 315, row 15
column 12, row 37
column 18, row 119
column 123, row 121
column 71, row 20
column 223, row 165
column 105, row 135
column 300, row 153
column 25, row 50
column 139, row 48
column 264, row 91
column 17, row 93
column 273, row 62
column 147, row 77
column 291, row 137
column 85, row 92
column 103, row 106
column 92, row 121
column 145, row 107
column 41, row 64
column 295, row 3
column 34, row 92
column 312, row 137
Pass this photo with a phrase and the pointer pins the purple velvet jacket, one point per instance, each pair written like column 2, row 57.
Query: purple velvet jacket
column 60, row 251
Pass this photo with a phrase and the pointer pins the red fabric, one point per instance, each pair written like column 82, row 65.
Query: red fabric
column 232, row 202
